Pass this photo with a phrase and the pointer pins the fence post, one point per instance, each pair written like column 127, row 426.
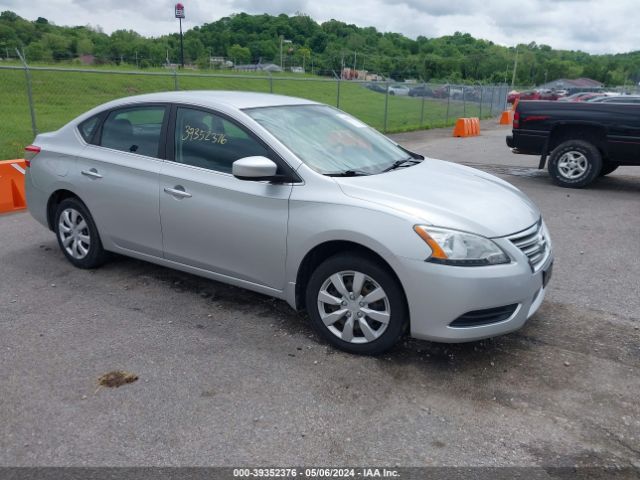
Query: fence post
column 176, row 86
column 386, row 106
column 270, row 82
column 481, row 92
column 464, row 102
column 27, row 75
column 504, row 97
column 338, row 95
column 422, row 106
column 446, row 122
column 493, row 92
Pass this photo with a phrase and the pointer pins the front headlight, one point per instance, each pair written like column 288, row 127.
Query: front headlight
column 451, row 247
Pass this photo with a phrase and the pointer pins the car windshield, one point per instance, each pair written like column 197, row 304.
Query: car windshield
column 328, row 140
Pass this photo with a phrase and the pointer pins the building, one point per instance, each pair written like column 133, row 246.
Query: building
column 87, row 59
column 258, row 67
column 351, row 74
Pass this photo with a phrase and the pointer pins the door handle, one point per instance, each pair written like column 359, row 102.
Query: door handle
column 93, row 173
column 178, row 191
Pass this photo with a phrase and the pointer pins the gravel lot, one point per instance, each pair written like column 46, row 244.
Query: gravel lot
column 229, row 377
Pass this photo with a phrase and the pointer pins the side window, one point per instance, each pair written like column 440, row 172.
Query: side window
column 206, row 140
column 135, row 130
column 88, row 127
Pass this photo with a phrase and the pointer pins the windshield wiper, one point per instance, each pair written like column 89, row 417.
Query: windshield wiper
column 348, row 173
column 400, row 163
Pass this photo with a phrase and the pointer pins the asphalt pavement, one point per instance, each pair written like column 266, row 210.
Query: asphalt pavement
column 228, row 377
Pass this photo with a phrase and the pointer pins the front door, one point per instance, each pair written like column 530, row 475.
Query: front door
column 212, row 220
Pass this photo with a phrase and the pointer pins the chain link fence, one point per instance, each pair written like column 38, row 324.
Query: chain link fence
column 41, row 99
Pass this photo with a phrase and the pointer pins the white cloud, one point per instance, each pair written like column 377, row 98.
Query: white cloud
column 590, row 25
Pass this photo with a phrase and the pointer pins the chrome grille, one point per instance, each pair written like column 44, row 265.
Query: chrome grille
column 533, row 243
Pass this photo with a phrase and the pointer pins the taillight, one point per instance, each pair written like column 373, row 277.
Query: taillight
column 516, row 120
column 30, row 152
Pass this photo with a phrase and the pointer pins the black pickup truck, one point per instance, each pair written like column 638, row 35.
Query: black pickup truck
column 583, row 140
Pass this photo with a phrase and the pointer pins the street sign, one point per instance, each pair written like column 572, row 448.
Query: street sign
column 179, row 10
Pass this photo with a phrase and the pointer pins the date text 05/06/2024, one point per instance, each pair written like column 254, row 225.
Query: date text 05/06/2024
column 315, row 472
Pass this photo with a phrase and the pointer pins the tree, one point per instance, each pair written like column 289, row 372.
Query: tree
column 84, row 46
column 239, row 54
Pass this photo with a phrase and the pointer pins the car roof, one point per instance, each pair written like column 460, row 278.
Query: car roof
column 215, row 98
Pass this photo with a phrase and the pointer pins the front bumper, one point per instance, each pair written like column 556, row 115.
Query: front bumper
column 439, row 294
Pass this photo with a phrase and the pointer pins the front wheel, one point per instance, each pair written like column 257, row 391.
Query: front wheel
column 575, row 164
column 356, row 304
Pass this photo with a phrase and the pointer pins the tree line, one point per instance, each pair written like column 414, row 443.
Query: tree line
column 324, row 48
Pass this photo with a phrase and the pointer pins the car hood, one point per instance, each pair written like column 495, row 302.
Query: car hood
column 448, row 195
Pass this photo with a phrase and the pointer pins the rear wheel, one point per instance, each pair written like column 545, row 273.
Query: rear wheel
column 77, row 234
column 607, row 168
column 356, row 304
column 575, row 164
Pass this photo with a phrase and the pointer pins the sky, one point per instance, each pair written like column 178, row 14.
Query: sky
column 594, row 26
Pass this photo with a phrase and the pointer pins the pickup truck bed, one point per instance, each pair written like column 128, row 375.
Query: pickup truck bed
column 583, row 140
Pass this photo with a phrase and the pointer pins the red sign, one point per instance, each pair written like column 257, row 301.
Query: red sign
column 179, row 10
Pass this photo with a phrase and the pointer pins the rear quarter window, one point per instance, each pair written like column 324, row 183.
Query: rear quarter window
column 88, row 128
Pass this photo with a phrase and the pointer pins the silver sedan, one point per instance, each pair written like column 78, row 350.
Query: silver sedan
column 300, row 201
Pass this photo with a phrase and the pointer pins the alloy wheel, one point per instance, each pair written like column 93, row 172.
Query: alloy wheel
column 572, row 165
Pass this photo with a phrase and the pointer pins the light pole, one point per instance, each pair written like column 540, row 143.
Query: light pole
column 515, row 68
column 180, row 16
column 282, row 41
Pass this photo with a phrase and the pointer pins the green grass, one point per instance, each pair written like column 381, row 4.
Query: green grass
column 60, row 96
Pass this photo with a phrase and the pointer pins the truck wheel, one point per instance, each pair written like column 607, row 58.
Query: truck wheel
column 607, row 168
column 575, row 164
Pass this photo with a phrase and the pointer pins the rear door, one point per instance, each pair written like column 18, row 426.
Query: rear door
column 117, row 177
column 211, row 219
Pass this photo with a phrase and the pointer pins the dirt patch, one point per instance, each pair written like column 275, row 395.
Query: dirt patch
column 116, row 379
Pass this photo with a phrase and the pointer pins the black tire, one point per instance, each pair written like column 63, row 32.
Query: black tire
column 96, row 255
column 394, row 304
column 607, row 168
column 580, row 148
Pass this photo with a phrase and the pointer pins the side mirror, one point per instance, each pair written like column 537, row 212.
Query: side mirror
column 254, row 168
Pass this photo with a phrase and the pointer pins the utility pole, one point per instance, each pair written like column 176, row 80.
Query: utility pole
column 355, row 56
column 180, row 15
column 515, row 68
